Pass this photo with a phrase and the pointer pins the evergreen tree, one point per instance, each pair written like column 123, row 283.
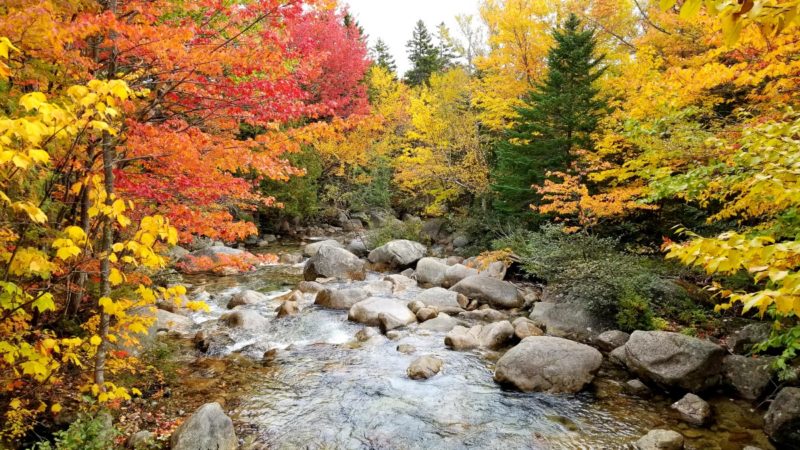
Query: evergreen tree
column 423, row 54
column 381, row 56
column 558, row 118
column 446, row 48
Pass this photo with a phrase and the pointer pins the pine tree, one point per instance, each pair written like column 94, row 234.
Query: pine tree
column 423, row 54
column 558, row 118
column 382, row 56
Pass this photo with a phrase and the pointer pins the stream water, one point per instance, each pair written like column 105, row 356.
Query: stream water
column 325, row 389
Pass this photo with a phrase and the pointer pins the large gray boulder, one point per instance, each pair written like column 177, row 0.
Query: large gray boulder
column 340, row 298
column 173, row 323
column 743, row 339
column 612, row 339
column 377, row 311
column 548, row 364
column 445, row 301
column 748, row 377
column 334, row 262
column 398, row 254
column 244, row 319
column 247, row 297
column 495, row 336
column 207, row 429
column 674, row 361
column 491, row 291
column 456, row 273
column 441, row 323
column 430, row 271
column 567, row 320
column 313, row 248
column 782, row 421
column 660, row 440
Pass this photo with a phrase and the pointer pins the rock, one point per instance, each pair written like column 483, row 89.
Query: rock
column 393, row 335
column 426, row 313
column 443, row 300
column 637, row 388
column 248, row 297
column 244, row 319
column 171, row 323
column 748, row 377
column 441, row 323
column 743, row 339
column 334, row 262
column 207, row 429
column 660, row 440
column 463, row 338
column 495, row 336
column 460, row 241
column 430, row 271
column 424, row 367
column 358, row 247
column 496, row 269
column 408, row 273
column 366, row 334
column 369, row 312
column 313, row 248
column 693, row 410
column 212, row 342
column 432, row 228
column 378, row 288
column 400, row 283
column 524, row 327
column 290, row 258
column 548, row 364
column 456, row 273
column 782, row 421
column 566, row 320
column 497, row 293
column 673, row 360
column 310, row 287
column 388, row 321
column 485, row 315
column 141, row 440
column 287, row 308
column 415, row 306
column 398, row 254
column 618, row 356
column 406, row 349
column 340, row 298
column 609, row 340
column 176, row 253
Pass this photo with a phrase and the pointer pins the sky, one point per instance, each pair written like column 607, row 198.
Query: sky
column 393, row 21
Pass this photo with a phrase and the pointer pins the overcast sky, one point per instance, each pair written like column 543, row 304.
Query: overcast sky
column 393, row 20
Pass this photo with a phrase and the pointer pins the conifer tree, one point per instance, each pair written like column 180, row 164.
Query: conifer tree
column 423, row 54
column 558, row 117
column 446, row 47
column 382, row 56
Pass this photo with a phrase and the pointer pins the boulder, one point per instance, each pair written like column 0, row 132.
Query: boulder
column 430, row 271
column 400, row 283
column 524, row 327
column 432, row 228
column 496, row 269
column 443, row 300
column 173, row 323
column 609, row 340
column 456, row 273
column 463, row 338
column 358, row 246
column 673, row 360
column 287, row 308
column 461, row 241
column 378, row 288
column 290, row 258
column 369, row 312
column 248, row 297
column 548, row 364
column 141, row 440
column 782, row 421
column 398, row 254
column 244, row 319
column 216, row 258
column 748, row 377
column 484, row 315
column 566, row 320
column 415, row 306
column 660, row 440
column 334, row 262
column 441, row 323
column 490, row 291
column 693, row 410
column 406, row 349
column 310, row 287
column 207, row 429
column 366, row 334
column 495, row 336
column 637, row 388
column 424, row 367
column 618, row 356
column 426, row 313
column 340, row 298
column 313, row 248
column 743, row 339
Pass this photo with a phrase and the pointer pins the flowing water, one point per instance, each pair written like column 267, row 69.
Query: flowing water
column 324, row 389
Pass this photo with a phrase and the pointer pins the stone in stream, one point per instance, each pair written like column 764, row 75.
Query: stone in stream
column 287, row 308
column 209, row 428
column 484, row 315
column 340, row 298
column 463, row 338
column 244, row 319
column 406, row 349
column 247, row 297
column 430, row 271
column 441, row 323
column 693, row 410
column 548, row 364
column 173, row 323
column 424, row 367
column 426, row 313
column 782, row 421
column 524, row 327
column 566, row 320
column 313, row 248
column 637, row 388
column 290, row 258
column 660, row 440
column 443, row 300
column 609, row 340
column 674, row 361
column 456, row 273
column 747, row 376
column 400, row 283
column 310, row 287
column 495, row 336
column 491, row 291
column 334, row 262
column 369, row 312
column 366, row 334
column 378, row 288
column 398, row 254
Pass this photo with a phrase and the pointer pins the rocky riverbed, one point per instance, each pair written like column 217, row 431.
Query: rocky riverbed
column 331, row 353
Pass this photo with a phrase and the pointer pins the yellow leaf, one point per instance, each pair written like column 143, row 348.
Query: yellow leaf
column 38, row 155
column 95, row 340
column 32, row 100
column 115, row 277
column 55, row 408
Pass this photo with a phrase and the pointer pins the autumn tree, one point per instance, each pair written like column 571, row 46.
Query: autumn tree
column 558, row 119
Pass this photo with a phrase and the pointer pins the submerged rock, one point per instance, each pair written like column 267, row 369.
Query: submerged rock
column 548, row 364
column 398, row 254
column 660, row 440
column 424, row 367
column 334, row 262
column 637, row 388
column 693, row 410
column 244, row 319
column 209, row 428
column 782, row 421
column 288, row 308
column 491, row 291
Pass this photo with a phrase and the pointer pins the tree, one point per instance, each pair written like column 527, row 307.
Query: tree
column 424, row 56
column 446, row 47
column 382, row 56
column 557, row 119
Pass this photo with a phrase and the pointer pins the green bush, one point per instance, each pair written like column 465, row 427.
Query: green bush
column 396, row 229
column 86, row 433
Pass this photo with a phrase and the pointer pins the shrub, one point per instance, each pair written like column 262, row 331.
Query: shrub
column 396, row 229
column 86, row 433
